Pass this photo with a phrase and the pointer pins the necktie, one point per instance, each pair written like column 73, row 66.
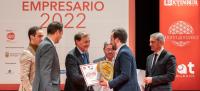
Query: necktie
column 154, row 60
column 85, row 60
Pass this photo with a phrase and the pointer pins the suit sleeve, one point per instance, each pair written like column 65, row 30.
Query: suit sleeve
column 125, row 68
column 98, row 60
column 170, row 75
column 73, row 69
column 147, row 71
column 46, row 62
column 25, row 66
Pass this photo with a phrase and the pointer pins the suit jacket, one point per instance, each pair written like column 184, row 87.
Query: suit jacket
column 125, row 75
column 27, row 69
column 163, row 72
column 47, row 74
column 75, row 80
column 99, row 59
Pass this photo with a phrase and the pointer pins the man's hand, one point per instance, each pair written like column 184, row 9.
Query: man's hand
column 148, row 80
column 103, row 82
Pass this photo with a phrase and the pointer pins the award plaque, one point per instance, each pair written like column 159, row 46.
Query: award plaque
column 105, row 68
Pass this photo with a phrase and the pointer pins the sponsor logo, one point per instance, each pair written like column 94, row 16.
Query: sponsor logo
column 181, row 33
column 13, row 51
column 181, row 3
column 6, row 54
column 9, row 71
column 10, row 36
column 186, row 70
column 12, row 54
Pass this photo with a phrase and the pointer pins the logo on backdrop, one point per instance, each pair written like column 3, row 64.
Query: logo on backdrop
column 10, row 72
column 186, row 70
column 180, row 3
column 12, row 54
column 13, row 51
column 6, row 54
column 10, row 36
column 181, row 33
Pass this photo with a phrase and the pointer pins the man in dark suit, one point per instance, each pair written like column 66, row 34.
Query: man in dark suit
column 160, row 66
column 108, row 51
column 76, row 57
column 125, row 75
column 47, row 72
column 109, row 55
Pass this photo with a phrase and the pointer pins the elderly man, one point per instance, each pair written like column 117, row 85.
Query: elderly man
column 160, row 66
column 76, row 57
column 109, row 56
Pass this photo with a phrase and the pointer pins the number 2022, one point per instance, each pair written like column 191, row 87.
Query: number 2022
column 69, row 16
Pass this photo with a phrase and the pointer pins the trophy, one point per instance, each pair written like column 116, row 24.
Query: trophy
column 92, row 73
column 105, row 68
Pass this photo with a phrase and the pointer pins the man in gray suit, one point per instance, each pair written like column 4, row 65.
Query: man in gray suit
column 47, row 72
column 108, row 51
column 160, row 66
column 109, row 56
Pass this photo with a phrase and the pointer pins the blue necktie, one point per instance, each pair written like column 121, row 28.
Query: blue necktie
column 85, row 60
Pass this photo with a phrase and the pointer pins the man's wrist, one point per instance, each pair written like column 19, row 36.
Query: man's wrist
column 108, row 84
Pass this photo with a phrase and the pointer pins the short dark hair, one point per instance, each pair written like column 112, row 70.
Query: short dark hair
column 78, row 36
column 32, row 31
column 121, row 34
column 54, row 27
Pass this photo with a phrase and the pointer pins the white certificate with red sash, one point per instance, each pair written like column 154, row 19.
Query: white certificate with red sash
column 90, row 74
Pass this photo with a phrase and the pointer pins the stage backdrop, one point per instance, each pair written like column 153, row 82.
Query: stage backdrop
column 97, row 17
column 180, row 23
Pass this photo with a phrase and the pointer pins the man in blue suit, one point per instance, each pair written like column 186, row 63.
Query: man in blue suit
column 125, row 75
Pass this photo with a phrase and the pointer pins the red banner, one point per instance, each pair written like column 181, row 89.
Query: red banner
column 180, row 23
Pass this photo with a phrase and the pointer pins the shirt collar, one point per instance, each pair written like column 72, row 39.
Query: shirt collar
column 80, row 50
column 51, row 41
column 117, row 51
column 108, row 60
column 159, row 52
column 120, row 48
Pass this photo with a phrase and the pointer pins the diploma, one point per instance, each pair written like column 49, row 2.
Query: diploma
column 90, row 74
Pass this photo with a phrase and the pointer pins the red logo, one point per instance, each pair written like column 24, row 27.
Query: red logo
column 10, row 35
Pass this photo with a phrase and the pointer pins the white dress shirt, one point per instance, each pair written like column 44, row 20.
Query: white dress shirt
column 117, row 51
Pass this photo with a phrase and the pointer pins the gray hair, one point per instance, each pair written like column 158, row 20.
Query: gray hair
column 159, row 36
column 106, row 44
